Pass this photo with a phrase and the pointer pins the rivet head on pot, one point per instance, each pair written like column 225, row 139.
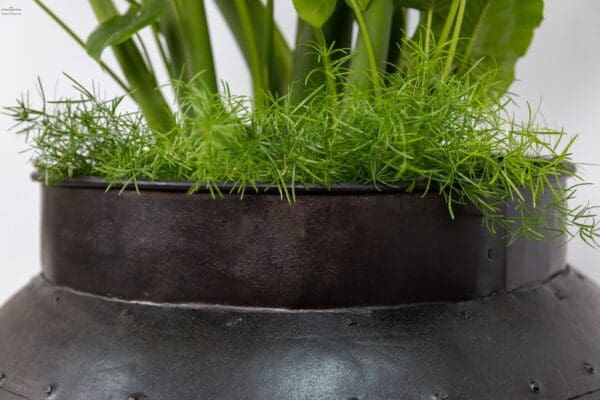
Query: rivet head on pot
column 464, row 314
column 589, row 368
column 234, row 322
column 48, row 390
column 534, row 386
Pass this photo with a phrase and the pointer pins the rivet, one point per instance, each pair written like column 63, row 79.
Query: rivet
column 349, row 322
column 48, row 390
column 589, row 368
column 442, row 396
column 534, row 386
column 234, row 322
column 2, row 379
column 559, row 295
column 464, row 314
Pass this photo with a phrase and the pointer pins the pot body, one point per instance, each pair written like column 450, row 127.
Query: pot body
column 346, row 295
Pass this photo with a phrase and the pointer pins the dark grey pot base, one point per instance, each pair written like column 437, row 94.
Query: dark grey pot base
column 539, row 343
column 348, row 294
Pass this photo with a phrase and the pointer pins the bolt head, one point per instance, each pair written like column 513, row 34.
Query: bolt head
column 534, row 386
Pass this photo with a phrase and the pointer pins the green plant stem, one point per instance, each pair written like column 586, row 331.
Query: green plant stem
column 145, row 53
column 397, row 36
column 267, row 49
column 143, row 83
column 81, row 43
column 304, row 61
column 443, row 39
column 254, row 53
column 281, row 69
column 337, row 33
column 161, row 49
column 328, row 70
column 373, row 41
column 195, row 40
column 455, row 37
column 428, row 32
column 170, row 30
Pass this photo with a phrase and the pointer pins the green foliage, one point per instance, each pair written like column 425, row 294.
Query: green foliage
column 315, row 12
column 426, row 111
column 361, row 4
column 373, row 43
column 119, row 28
column 422, row 5
column 493, row 34
column 416, row 129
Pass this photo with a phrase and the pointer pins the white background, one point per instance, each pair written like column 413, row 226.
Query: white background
column 561, row 70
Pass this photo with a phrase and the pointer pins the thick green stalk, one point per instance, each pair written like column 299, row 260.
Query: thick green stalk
column 143, row 83
column 254, row 53
column 170, row 30
column 267, row 49
column 337, row 33
column 328, row 69
column 195, row 40
column 161, row 48
column 443, row 39
column 373, row 42
column 304, row 62
column 455, row 37
column 428, row 31
column 281, row 54
column 397, row 36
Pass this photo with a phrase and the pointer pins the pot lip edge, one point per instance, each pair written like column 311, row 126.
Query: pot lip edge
column 94, row 182
column 418, row 186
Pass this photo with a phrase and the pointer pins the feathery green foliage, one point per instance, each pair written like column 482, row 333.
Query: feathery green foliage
column 420, row 127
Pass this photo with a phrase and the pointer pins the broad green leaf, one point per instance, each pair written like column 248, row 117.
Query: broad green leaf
column 362, row 4
column 494, row 34
column 120, row 28
column 500, row 32
column 315, row 12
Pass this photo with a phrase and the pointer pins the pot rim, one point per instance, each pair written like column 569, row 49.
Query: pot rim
column 420, row 185
column 95, row 182
column 342, row 249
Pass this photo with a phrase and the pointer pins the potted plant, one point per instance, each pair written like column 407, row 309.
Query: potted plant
column 370, row 225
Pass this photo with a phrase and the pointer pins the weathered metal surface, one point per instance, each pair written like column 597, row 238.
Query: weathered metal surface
column 541, row 343
column 323, row 300
column 351, row 247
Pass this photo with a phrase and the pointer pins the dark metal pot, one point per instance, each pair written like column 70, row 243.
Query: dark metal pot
column 348, row 294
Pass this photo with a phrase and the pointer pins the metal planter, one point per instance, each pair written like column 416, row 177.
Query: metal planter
column 349, row 294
